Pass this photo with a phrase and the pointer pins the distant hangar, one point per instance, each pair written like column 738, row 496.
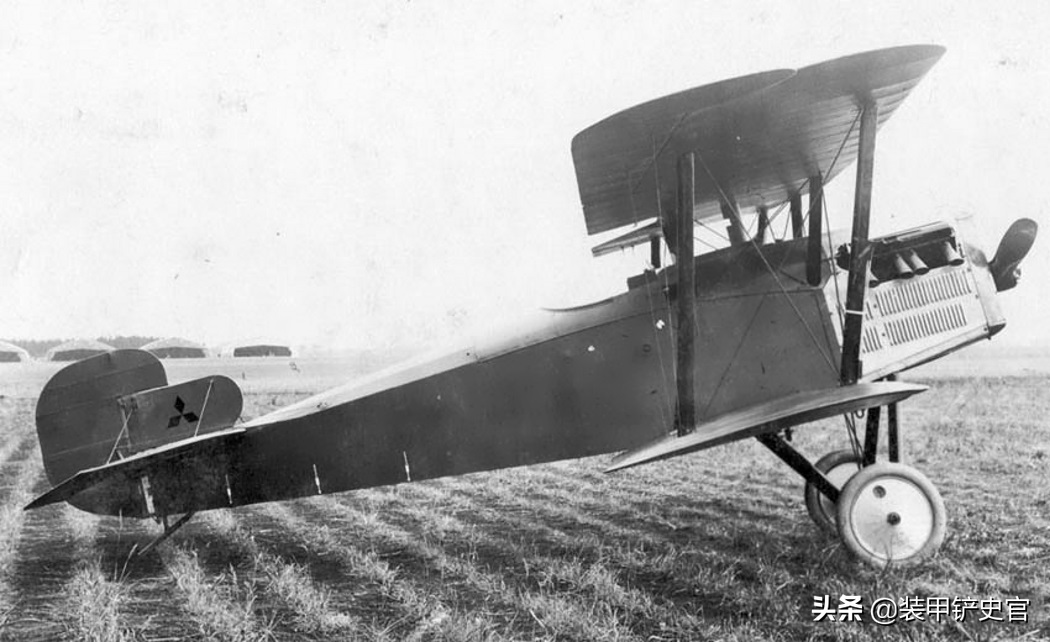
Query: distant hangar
column 258, row 348
column 175, row 348
column 76, row 350
column 10, row 353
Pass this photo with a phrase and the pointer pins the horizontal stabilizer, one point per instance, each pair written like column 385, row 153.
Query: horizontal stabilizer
column 169, row 414
column 769, row 417
column 134, row 466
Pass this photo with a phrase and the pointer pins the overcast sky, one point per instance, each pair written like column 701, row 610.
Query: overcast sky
column 368, row 174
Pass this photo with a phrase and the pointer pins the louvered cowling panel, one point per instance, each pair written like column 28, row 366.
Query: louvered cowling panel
column 907, row 318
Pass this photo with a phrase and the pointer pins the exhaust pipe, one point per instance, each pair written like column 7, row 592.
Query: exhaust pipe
column 916, row 263
column 901, row 267
column 951, row 257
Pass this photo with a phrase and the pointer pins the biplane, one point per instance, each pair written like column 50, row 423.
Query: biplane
column 747, row 340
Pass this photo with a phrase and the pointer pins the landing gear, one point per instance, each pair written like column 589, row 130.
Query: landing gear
column 885, row 513
column 838, row 466
column 891, row 514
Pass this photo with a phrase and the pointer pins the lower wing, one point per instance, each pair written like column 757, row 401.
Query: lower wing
column 768, row 417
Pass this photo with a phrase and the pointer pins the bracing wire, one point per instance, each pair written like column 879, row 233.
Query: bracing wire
column 834, row 270
column 709, row 245
column 123, row 431
column 758, row 250
column 787, row 224
column 659, row 352
column 834, row 161
column 665, row 373
column 851, row 430
column 652, row 162
column 713, row 230
column 204, row 407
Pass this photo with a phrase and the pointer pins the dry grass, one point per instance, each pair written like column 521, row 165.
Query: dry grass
column 22, row 469
column 93, row 608
column 288, row 583
column 713, row 546
column 223, row 606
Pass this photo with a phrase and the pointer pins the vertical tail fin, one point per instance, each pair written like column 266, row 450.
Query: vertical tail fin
column 79, row 418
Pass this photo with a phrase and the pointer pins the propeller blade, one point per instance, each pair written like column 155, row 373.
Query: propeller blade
column 1016, row 243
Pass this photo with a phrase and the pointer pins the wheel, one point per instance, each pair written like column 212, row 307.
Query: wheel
column 838, row 466
column 891, row 514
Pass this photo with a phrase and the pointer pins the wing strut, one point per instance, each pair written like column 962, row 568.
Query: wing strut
column 816, row 222
column 735, row 231
column 685, row 415
column 763, row 224
column 860, row 248
column 654, row 252
column 797, row 231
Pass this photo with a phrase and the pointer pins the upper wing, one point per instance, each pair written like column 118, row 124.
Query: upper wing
column 770, row 416
column 761, row 137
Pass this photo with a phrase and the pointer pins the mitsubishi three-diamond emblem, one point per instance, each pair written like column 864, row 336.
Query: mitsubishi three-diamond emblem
column 180, row 407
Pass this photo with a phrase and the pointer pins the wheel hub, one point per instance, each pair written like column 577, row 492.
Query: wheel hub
column 877, row 515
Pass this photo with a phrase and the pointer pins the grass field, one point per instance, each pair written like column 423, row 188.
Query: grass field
column 711, row 546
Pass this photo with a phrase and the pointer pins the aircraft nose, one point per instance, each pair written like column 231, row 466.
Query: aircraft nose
column 1016, row 243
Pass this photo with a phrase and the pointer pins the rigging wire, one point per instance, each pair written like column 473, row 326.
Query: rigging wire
column 665, row 372
column 710, row 245
column 736, row 213
column 769, row 268
column 851, row 430
column 123, row 431
column 732, row 360
column 659, row 353
column 204, row 406
column 713, row 230
column 787, row 221
column 652, row 162
column 834, row 271
column 831, row 167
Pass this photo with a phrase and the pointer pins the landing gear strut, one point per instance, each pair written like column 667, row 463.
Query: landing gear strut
column 838, row 466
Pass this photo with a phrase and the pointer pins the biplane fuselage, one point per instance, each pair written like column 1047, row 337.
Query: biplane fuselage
column 569, row 383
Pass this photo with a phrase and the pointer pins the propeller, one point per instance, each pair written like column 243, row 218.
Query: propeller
column 1017, row 240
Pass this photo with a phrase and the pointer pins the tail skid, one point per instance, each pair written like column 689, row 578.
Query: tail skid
column 168, row 532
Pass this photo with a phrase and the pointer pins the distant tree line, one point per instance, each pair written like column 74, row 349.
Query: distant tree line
column 39, row 347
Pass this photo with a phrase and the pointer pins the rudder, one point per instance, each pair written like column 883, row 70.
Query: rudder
column 79, row 417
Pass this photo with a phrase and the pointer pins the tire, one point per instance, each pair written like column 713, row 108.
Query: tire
column 891, row 514
column 839, row 466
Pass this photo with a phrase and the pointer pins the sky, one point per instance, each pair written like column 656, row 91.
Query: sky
column 379, row 174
